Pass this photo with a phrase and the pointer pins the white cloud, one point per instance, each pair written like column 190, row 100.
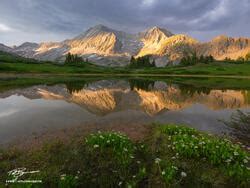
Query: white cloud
column 4, row 28
column 148, row 3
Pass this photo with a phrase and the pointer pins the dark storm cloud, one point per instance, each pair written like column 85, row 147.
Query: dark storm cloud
column 28, row 20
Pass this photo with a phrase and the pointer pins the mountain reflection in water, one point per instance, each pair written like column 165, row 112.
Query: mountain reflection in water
column 121, row 101
column 152, row 97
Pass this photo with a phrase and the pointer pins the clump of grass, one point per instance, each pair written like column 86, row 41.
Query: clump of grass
column 189, row 143
column 239, row 124
column 114, row 159
column 121, row 146
column 172, row 129
column 68, row 181
column 168, row 170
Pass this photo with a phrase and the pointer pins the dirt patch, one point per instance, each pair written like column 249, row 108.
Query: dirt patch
column 136, row 132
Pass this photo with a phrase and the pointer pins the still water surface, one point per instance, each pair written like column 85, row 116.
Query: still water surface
column 41, row 108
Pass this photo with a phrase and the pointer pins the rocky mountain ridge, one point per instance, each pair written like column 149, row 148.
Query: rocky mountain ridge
column 106, row 46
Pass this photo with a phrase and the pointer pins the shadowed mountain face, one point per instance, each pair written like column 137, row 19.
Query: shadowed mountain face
column 106, row 97
column 5, row 48
column 106, row 46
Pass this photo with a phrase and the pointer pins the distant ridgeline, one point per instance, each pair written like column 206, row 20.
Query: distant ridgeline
column 109, row 47
column 193, row 59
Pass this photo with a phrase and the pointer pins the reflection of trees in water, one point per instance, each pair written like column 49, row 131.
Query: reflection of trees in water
column 240, row 125
column 76, row 86
column 141, row 84
column 188, row 90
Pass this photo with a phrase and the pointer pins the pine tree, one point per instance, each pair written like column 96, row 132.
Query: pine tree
column 153, row 63
column 211, row 58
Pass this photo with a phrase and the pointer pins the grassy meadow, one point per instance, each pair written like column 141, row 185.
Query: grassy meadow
column 216, row 69
column 10, row 63
column 167, row 156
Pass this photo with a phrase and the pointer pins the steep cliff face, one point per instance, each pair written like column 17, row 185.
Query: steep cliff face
column 222, row 47
column 177, row 46
column 104, row 41
column 100, row 40
column 152, row 40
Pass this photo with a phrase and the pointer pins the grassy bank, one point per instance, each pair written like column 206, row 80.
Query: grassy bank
column 17, row 82
column 168, row 156
column 216, row 68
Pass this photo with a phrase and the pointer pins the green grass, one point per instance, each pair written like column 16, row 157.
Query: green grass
column 10, row 63
column 190, row 143
column 216, row 68
column 72, row 83
column 16, row 64
column 169, row 156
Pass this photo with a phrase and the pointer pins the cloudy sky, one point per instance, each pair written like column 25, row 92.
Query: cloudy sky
column 55, row 20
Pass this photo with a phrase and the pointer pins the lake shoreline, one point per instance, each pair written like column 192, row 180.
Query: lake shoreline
column 9, row 75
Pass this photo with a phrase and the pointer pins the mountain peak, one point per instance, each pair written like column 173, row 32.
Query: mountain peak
column 28, row 44
column 220, row 38
column 101, row 27
column 157, row 30
column 95, row 30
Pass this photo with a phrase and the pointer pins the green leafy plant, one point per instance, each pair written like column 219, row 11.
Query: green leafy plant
column 68, row 181
column 121, row 145
column 189, row 143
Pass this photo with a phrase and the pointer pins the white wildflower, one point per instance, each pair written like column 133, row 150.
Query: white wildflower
column 96, row 146
column 236, row 153
column 183, row 174
column 63, row 176
column 163, row 172
column 174, row 167
column 101, row 137
column 157, row 160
